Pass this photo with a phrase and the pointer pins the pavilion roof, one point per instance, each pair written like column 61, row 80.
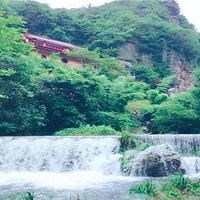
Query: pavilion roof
column 35, row 39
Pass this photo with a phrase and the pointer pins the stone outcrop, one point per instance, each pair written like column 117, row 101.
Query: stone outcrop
column 156, row 161
column 182, row 70
column 173, row 8
column 128, row 57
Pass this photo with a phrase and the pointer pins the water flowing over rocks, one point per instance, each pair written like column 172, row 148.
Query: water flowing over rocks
column 156, row 161
column 185, row 144
column 59, row 154
column 63, row 167
column 192, row 165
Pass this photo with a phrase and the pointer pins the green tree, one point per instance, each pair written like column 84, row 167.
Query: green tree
column 145, row 74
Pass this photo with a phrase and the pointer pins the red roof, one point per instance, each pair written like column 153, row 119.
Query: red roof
column 49, row 44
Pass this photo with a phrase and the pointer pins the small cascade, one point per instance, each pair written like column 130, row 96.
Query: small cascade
column 184, row 144
column 60, row 154
column 192, row 165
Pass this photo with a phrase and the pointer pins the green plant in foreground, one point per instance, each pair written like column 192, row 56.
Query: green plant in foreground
column 125, row 161
column 176, row 188
column 146, row 188
column 29, row 196
column 180, row 182
column 127, row 142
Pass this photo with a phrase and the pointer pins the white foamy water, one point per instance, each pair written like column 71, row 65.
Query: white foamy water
column 59, row 154
column 62, row 163
column 192, row 166
column 89, row 166
column 186, row 144
column 74, row 180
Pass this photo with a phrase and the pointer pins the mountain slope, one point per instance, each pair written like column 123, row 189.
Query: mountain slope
column 138, row 32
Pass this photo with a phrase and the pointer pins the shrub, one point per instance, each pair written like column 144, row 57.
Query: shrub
column 144, row 73
column 88, row 130
column 127, row 142
column 177, row 188
column 118, row 121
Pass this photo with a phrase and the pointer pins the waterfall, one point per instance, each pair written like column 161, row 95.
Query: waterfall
column 60, row 154
column 184, row 144
column 65, row 167
column 187, row 145
column 78, row 164
column 192, row 165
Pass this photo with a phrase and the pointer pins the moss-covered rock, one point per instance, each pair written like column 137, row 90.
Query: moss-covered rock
column 156, row 161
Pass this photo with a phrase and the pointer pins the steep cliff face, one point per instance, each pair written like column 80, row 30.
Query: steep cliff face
column 180, row 67
column 167, row 44
column 182, row 70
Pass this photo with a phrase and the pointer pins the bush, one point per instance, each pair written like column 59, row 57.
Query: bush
column 161, row 98
column 127, row 142
column 118, row 121
column 29, row 195
column 144, row 73
column 88, row 130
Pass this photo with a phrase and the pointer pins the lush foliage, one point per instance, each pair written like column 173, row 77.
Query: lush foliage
column 39, row 96
column 146, row 188
column 109, row 28
column 88, row 130
column 145, row 74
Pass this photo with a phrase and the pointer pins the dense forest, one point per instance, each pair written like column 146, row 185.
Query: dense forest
column 135, row 45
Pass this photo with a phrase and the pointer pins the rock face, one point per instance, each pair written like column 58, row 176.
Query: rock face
column 156, row 161
column 128, row 57
column 182, row 70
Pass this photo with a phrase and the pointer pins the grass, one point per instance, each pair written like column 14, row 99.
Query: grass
column 136, row 105
column 147, row 188
column 176, row 188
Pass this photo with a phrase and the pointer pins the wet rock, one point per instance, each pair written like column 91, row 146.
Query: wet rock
column 156, row 161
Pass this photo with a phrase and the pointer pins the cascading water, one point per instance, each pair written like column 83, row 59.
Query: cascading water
column 87, row 166
column 73, row 164
column 60, row 154
column 187, row 145
column 192, row 166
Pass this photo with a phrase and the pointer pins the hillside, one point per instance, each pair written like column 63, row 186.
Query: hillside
column 159, row 49
column 152, row 33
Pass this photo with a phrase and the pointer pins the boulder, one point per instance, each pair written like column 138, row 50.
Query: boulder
column 156, row 161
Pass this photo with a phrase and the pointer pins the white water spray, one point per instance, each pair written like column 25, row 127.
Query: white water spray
column 59, row 154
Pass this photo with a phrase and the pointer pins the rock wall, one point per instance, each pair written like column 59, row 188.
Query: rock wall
column 128, row 57
column 182, row 70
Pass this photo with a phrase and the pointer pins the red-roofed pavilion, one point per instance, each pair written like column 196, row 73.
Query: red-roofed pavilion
column 46, row 46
